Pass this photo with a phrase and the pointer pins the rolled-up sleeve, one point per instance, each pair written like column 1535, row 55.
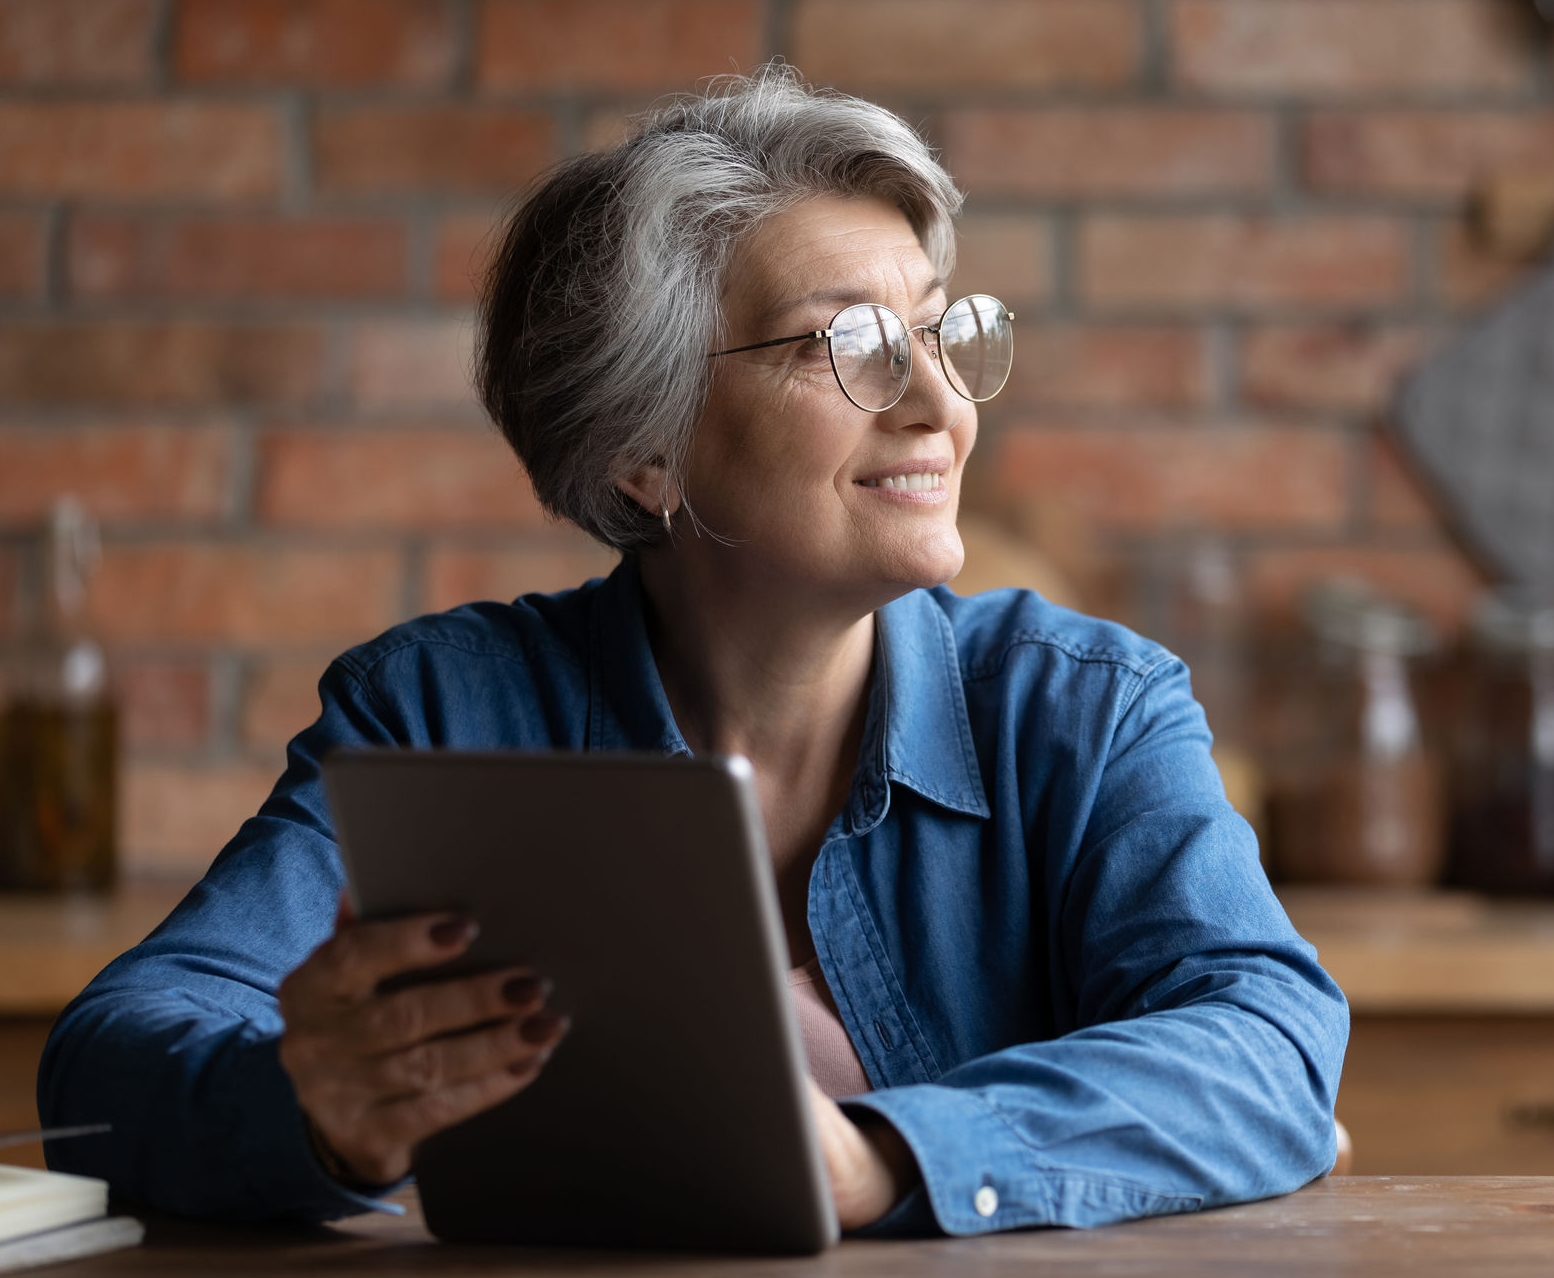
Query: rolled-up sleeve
column 1208, row 1042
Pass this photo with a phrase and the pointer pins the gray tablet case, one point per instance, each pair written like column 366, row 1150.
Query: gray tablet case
column 674, row 1114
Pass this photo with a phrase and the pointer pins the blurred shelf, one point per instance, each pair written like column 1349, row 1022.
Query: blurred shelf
column 51, row 946
column 1430, row 952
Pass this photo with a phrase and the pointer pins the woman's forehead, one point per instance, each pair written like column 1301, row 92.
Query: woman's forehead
column 824, row 251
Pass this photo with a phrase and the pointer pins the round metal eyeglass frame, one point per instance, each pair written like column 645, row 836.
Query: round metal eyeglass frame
column 926, row 331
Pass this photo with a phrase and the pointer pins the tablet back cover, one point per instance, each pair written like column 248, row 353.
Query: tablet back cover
column 674, row 1113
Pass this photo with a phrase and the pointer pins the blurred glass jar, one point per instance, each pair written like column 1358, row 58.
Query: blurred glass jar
column 1502, row 759
column 1360, row 795
column 59, row 727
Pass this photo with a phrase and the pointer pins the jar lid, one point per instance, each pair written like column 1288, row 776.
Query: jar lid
column 1349, row 613
column 1513, row 621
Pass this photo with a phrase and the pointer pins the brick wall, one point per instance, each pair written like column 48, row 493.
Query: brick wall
column 237, row 240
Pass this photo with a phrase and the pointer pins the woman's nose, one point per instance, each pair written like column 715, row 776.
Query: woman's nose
column 929, row 399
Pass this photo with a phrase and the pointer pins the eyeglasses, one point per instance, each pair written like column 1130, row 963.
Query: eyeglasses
column 871, row 350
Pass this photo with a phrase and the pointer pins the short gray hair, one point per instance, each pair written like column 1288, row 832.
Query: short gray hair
column 603, row 298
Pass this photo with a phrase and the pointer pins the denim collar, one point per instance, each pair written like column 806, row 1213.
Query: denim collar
column 917, row 732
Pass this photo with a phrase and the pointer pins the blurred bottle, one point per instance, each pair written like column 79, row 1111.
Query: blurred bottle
column 1360, row 795
column 59, row 728
column 1502, row 761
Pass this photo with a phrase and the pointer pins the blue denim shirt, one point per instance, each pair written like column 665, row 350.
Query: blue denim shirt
column 1047, row 933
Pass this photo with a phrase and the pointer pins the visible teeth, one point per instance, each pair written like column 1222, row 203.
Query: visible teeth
column 916, row 482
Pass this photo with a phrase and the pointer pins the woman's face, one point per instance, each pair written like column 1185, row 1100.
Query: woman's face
column 783, row 464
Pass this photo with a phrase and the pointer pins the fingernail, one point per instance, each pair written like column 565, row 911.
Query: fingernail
column 453, row 931
column 541, row 1026
column 522, row 990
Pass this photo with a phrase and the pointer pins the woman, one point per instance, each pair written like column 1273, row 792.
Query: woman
column 1048, row 973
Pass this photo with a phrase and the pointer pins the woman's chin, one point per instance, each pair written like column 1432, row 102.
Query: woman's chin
column 932, row 564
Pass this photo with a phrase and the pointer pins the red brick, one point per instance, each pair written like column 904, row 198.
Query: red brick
column 1226, row 260
column 140, row 150
column 1345, row 367
column 163, row 704
column 456, row 575
column 614, row 45
column 392, row 477
column 1140, row 477
column 176, row 817
column 250, row 593
column 926, row 45
column 281, row 698
column 465, row 244
column 77, row 42
column 1422, row 154
column 1110, row 151
column 1470, row 278
column 179, row 362
column 323, row 43
column 413, row 364
column 9, row 573
column 121, row 472
column 353, row 258
column 1277, row 48
column 21, row 256
column 1008, row 255
column 1073, row 366
column 605, row 127
column 445, row 150
column 1399, row 502
column 1434, row 578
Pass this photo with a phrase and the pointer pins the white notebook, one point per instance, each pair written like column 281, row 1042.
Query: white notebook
column 32, row 1200
column 46, row 1217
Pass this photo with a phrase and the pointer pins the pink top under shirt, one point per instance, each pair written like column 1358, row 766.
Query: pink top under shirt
column 833, row 1062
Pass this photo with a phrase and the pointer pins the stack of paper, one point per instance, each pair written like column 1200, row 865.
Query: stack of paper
column 49, row 1216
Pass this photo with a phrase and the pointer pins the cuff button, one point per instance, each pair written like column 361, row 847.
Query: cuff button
column 985, row 1200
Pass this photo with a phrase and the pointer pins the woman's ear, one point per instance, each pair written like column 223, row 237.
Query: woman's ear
column 650, row 488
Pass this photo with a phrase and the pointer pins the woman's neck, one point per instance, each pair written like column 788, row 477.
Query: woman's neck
column 782, row 680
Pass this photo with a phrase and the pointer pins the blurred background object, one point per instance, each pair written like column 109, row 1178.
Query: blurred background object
column 1503, row 749
column 58, row 721
column 1360, row 796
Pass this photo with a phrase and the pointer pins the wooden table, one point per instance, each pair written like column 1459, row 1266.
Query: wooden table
column 1489, row 1228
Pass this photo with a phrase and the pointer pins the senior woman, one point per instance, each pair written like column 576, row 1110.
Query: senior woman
column 1043, row 967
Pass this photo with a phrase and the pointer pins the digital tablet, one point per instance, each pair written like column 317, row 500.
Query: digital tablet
column 675, row 1112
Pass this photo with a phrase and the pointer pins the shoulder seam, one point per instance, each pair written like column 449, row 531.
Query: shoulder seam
column 1139, row 667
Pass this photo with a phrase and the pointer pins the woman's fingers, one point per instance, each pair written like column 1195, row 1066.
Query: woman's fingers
column 350, row 966
column 406, row 1017
column 515, row 1047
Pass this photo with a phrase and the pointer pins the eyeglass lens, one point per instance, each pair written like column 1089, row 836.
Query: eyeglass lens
column 871, row 353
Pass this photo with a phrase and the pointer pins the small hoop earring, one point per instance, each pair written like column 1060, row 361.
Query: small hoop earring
column 668, row 528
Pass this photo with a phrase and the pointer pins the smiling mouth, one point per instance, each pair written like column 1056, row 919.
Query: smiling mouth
column 921, row 482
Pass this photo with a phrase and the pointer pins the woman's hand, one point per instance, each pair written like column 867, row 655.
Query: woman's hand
column 871, row 1167
column 378, row 1073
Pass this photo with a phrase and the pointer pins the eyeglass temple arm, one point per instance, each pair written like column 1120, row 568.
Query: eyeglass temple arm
column 776, row 341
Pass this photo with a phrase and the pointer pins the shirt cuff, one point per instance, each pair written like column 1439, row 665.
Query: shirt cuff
column 279, row 1161
column 979, row 1175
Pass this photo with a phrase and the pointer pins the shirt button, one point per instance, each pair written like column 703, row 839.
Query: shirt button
column 985, row 1201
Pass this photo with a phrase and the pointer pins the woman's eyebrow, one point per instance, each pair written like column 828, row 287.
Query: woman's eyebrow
column 840, row 297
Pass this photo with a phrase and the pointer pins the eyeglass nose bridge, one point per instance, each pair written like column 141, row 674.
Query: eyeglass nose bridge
column 928, row 334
